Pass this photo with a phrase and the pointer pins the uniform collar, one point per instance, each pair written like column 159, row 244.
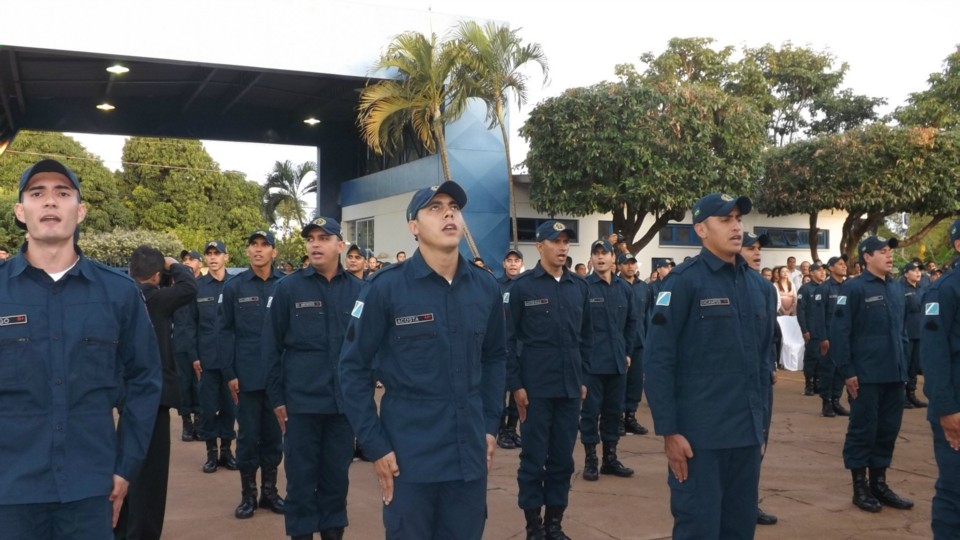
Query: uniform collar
column 871, row 276
column 716, row 263
column 84, row 266
column 539, row 271
column 310, row 272
column 250, row 275
column 419, row 268
column 594, row 278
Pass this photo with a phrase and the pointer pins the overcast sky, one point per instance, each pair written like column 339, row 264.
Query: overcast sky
column 890, row 46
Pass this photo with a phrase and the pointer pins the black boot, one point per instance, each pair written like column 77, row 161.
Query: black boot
column 883, row 493
column 504, row 440
column 764, row 518
column 187, row 434
column 862, row 498
column 197, row 421
column 612, row 465
column 512, row 430
column 827, row 410
column 211, row 465
column 248, row 504
column 590, row 462
column 630, row 424
column 534, row 523
column 332, row 534
column 553, row 523
column 914, row 401
column 269, row 498
column 816, row 385
column 838, row 408
column 226, row 456
column 807, row 385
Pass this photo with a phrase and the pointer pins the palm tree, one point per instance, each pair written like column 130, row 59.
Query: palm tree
column 283, row 192
column 492, row 56
column 424, row 95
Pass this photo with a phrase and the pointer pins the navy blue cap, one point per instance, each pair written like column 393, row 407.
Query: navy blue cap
column 513, row 252
column 624, row 258
column 663, row 262
column 423, row 197
column 815, row 266
column 873, row 243
column 551, row 229
column 357, row 248
column 719, row 204
column 910, row 266
column 602, row 244
column 329, row 226
column 215, row 244
column 47, row 165
column 262, row 233
column 194, row 254
column 750, row 239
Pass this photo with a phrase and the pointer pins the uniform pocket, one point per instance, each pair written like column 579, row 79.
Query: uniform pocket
column 99, row 362
column 12, row 355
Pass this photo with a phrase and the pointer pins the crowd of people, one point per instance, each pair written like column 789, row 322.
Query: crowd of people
column 284, row 367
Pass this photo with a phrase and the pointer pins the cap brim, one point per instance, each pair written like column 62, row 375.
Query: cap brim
column 454, row 190
column 311, row 226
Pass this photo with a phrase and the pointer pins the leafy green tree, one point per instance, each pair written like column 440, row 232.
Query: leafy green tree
column 11, row 236
column 284, row 191
column 492, row 57
column 641, row 147
column 939, row 105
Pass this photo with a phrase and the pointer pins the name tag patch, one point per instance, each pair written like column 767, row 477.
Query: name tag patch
column 413, row 319
column 707, row 302
column 357, row 309
column 874, row 299
column 247, row 299
column 310, row 304
column 203, row 299
column 537, row 302
column 663, row 299
column 932, row 308
column 10, row 320
column 596, row 300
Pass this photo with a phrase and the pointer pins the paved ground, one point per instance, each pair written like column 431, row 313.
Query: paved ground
column 803, row 482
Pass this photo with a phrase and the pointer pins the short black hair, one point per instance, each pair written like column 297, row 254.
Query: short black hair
column 145, row 262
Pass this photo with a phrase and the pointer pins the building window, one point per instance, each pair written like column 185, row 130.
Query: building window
column 679, row 235
column 360, row 232
column 604, row 229
column 527, row 227
column 781, row 237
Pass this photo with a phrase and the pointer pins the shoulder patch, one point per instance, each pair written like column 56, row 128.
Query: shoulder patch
column 818, row 297
column 357, row 309
column 269, row 301
column 663, row 298
column 841, row 300
column 506, row 298
column 932, row 309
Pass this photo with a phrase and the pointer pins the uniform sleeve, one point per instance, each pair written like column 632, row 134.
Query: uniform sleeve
column 818, row 316
column 493, row 358
column 226, row 326
column 661, row 355
column 184, row 289
column 190, row 324
column 803, row 298
column 365, row 333
column 586, row 329
column 514, row 318
column 275, row 324
column 139, row 354
column 846, row 310
column 940, row 305
column 630, row 331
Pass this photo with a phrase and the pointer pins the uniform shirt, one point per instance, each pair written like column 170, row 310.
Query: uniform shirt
column 824, row 302
column 506, row 283
column 203, row 319
column 913, row 297
column 304, row 328
column 550, row 332
column 867, row 335
column 641, row 306
column 240, row 323
column 940, row 346
column 614, row 325
column 162, row 303
column 806, row 306
column 438, row 347
column 71, row 351
column 184, row 331
column 706, row 352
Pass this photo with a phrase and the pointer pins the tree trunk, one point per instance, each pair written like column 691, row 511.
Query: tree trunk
column 812, row 233
column 916, row 237
column 513, row 195
column 442, row 148
column 621, row 222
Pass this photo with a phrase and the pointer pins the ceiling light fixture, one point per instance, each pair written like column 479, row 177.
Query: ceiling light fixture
column 117, row 69
column 311, row 121
column 105, row 106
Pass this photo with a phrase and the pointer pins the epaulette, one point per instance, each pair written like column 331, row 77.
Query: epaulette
column 376, row 275
column 684, row 266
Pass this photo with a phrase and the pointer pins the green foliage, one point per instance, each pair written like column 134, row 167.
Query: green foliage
column 114, row 248
column 938, row 105
column 291, row 249
column 11, row 236
column 283, row 193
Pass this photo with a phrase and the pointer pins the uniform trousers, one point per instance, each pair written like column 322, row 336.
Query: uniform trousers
column 546, row 459
column 874, row 424
column 259, row 440
column 86, row 519
column 318, row 450
column 634, row 387
column 913, row 364
column 831, row 381
column 455, row 510
column 719, row 497
column 946, row 500
column 811, row 359
column 218, row 411
column 143, row 510
column 604, row 403
column 189, row 385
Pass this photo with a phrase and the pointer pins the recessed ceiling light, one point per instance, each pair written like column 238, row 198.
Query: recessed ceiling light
column 312, row 121
column 105, row 106
column 117, row 69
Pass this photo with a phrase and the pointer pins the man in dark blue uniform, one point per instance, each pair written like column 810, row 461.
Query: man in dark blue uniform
column 824, row 306
column 75, row 342
column 708, row 401
column 507, row 438
column 805, row 317
column 868, row 339
column 240, row 325
column 219, row 411
column 306, row 321
column 184, row 353
column 432, row 330
column 605, row 371
column 550, row 335
column 630, row 272
column 940, row 355
column 913, row 288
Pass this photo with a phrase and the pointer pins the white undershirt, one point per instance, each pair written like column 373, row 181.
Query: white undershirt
column 57, row 275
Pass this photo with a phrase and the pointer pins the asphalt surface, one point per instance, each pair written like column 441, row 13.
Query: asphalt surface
column 803, row 483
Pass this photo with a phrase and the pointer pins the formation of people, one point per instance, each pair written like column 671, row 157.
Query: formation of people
column 467, row 363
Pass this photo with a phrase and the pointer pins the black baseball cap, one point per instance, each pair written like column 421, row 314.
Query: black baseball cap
column 192, row 253
column 910, row 266
column 215, row 244
column 750, row 239
column 815, row 266
column 551, row 229
column 663, row 262
column 262, row 233
column 834, row 260
column 624, row 258
column 601, row 244
column 873, row 243
column 423, row 197
column 42, row 166
column 513, row 252
column 328, row 225
column 357, row 248
column 719, row 204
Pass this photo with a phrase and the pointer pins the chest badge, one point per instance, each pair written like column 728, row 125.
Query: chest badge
column 10, row 320
column 414, row 319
